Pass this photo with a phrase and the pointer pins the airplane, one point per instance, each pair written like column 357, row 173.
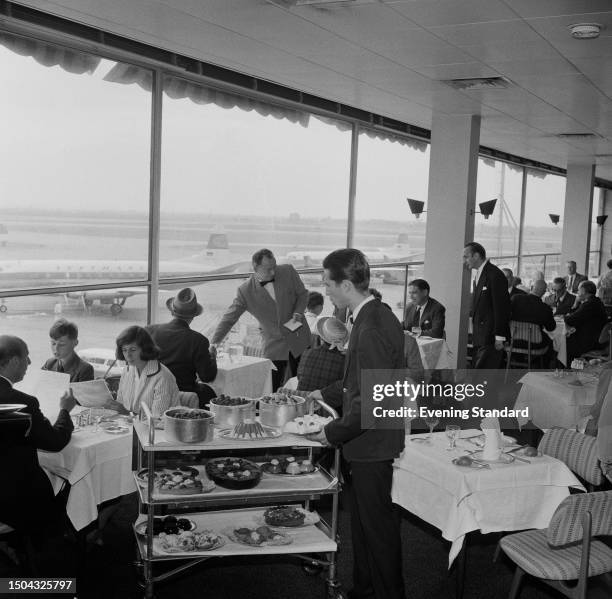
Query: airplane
column 18, row 274
column 399, row 252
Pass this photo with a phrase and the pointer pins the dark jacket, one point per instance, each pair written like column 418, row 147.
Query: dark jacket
column 562, row 306
column 78, row 369
column 432, row 320
column 490, row 310
column 184, row 352
column 527, row 307
column 516, row 291
column 588, row 320
column 27, row 502
column 376, row 342
column 578, row 278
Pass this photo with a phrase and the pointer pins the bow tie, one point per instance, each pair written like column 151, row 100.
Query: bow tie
column 264, row 283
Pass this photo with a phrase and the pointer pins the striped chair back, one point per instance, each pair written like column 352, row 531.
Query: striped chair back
column 566, row 523
column 525, row 331
column 576, row 450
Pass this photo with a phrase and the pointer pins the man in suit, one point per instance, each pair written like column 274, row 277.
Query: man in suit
column 512, row 288
column 490, row 311
column 376, row 342
column 275, row 296
column 529, row 307
column 560, row 300
column 573, row 278
column 584, row 322
column 424, row 312
column 185, row 352
column 27, row 502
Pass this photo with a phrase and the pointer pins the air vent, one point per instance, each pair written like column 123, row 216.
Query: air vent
column 478, row 83
column 578, row 136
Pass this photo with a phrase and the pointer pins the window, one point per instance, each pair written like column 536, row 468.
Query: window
column 235, row 181
column 500, row 232
column 75, row 169
column 389, row 172
column 545, row 195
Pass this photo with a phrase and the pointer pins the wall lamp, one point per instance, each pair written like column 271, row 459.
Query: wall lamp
column 486, row 208
column 601, row 219
column 416, row 207
column 554, row 218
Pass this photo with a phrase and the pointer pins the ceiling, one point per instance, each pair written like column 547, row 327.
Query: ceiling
column 389, row 57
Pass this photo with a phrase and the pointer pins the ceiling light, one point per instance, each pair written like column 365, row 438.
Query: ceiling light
column 581, row 135
column 585, row 31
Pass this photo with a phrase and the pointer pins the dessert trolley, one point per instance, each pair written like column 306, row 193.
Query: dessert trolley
column 316, row 545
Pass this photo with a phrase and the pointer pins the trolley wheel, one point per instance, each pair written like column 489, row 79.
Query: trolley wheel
column 312, row 568
column 3, row 308
column 116, row 309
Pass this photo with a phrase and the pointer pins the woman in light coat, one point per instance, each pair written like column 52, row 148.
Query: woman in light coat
column 145, row 379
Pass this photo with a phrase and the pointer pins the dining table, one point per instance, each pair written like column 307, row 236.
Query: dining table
column 426, row 353
column 96, row 464
column 243, row 376
column 559, row 339
column 521, row 494
column 556, row 398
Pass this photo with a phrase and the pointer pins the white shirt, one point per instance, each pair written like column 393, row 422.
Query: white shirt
column 360, row 305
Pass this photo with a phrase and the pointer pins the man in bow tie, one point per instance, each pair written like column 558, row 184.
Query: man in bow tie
column 276, row 297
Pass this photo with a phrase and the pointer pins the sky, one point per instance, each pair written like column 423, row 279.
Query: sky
column 80, row 143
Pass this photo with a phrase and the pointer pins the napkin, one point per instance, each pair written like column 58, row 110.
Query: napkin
column 493, row 438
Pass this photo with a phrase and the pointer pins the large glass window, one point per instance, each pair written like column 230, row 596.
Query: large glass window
column 239, row 175
column 545, row 195
column 100, row 316
column 74, row 156
column 388, row 173
column 500, row 232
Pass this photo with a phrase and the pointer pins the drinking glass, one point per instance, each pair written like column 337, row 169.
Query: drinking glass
column 97, row 414
column 431, row 422
column 452, row 432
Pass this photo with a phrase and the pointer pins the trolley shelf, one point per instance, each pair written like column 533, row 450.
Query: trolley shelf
column 306, row 539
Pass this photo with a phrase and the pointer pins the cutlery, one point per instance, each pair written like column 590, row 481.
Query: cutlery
column 520, row 459
column 516, row 449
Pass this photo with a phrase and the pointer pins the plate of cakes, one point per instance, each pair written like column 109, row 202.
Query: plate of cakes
column 289, row 466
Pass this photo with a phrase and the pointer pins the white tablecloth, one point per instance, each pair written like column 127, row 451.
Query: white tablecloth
column 98, row 467
column 458, row 500
column 555, row 401
column 433, row 354
column 247, row 376
column 559, row 340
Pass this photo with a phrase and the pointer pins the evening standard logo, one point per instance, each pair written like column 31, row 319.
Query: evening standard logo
column 389, row 398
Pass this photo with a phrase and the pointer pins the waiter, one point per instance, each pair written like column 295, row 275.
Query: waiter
column 277, row 298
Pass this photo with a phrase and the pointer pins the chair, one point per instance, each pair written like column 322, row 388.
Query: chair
column 531, row 334
column 577, row 450
column 605, row 338
column 565, row 551
column 13, row 427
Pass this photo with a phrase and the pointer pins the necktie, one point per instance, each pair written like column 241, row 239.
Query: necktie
column 416, row 321
column 474, row 286
column 351, row 320
column 571, row 284
column 60, row 367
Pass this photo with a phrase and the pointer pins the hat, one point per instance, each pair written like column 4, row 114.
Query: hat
column 185, row 304
column 332, row 331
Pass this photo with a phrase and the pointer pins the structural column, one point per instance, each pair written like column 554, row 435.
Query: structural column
column 577, row 216
column 453, row 166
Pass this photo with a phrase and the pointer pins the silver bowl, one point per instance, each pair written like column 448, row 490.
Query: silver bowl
column 278, row 415
column 230, row 416
column 188, row 430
